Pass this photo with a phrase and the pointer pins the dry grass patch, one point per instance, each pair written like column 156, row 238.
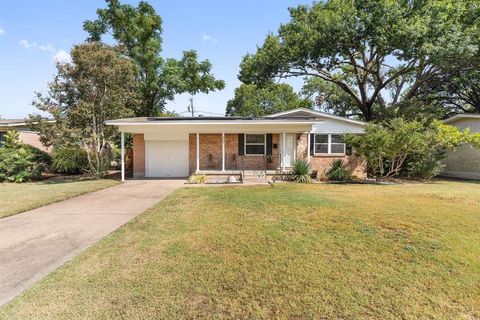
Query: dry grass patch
column 20, row 197
column 288, row 252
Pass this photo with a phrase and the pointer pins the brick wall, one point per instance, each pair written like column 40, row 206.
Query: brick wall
column 33, row 139
column 302, row 145
column 322, row 163
column 138, row 156
column 354, row 163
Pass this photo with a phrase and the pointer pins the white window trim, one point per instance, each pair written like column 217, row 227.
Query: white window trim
column 329, row 144
column 253, row 144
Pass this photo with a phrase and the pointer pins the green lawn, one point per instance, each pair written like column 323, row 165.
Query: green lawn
column 285, row 252
column 19, row 197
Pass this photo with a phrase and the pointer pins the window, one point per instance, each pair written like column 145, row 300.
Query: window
column 254, row 144
column 336, row 144
column 321, row 143
column 329, row 144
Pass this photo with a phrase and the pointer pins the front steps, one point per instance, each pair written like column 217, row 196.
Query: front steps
column 255, row 176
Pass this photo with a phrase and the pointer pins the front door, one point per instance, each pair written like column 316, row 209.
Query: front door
column 289, row 149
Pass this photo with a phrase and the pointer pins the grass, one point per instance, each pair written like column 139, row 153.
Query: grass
column 286, row 252
column 20, row 197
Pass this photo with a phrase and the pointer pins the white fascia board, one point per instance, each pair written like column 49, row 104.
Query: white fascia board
column 179, row 123
column 461, row 116
column 315, row 113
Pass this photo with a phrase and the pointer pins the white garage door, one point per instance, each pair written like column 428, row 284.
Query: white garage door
column 166, row 159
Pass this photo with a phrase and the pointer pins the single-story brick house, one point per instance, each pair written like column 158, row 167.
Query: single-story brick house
column 26, row 135
column 465, row 161
column 181, row 146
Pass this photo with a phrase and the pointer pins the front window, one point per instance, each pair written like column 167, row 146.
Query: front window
column 337, row 145
column 329, row 144
column 254, row 144
column 321, row 143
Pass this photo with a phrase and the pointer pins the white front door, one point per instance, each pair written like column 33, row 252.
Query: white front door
column 289, row 151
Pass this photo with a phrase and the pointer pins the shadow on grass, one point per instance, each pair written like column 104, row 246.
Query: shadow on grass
column 69, row 179
column 451, row 179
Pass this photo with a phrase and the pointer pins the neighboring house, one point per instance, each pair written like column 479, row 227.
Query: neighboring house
column 25, row 134
column 465, row 161
column 178, row 147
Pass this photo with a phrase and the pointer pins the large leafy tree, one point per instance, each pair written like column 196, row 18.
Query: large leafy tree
column 330, row 98
column 378, row 52
column 456, row 87
column 139, row 30
column 250, row 100
column 99, row 84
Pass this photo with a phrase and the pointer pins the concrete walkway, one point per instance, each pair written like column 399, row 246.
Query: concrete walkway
column 36, row 242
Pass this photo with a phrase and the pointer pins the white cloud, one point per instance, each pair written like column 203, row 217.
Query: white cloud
column 208, row 38
column 2, row 31
column 61, row 57
column 35, row 46
column 48, row 48
column 27, row 45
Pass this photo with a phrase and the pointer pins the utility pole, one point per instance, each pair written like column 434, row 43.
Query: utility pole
column 190, row 106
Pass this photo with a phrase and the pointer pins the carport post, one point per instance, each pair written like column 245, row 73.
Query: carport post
column 198, row 152
column 308, row 147
column 283, row 151
column 223, row 151
column 122, row 135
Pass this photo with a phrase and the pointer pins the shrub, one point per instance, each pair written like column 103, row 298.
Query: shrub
column 338, row 171
column 69, row 160
column 20, row 162
column 301, row 171
column 19, row 165
column 197, row 178
column 38, row 155
column 409, row 148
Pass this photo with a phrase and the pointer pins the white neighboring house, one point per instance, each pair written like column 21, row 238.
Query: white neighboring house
column 26, row 135
column 178, row 147
column 465, row 161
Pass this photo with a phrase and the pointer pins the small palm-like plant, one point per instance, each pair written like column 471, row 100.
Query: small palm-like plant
column 301, row 171
column 198, row 178
column 338, row 171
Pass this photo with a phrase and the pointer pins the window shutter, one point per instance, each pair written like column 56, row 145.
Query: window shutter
column 241, row 144
column 348, row 150
column 269, row 144
column 312, row 145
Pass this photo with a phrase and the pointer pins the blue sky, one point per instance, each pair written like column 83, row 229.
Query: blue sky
column 32, row 33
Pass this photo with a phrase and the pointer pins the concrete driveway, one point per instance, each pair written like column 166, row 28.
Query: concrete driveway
column 36, row 242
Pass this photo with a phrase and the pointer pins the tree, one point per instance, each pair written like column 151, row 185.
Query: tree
column 456, row 87
column 378, row 52
column 139, row 30
column 410, row 148
column 329, row 97
column 251, row 101
column 99, row 84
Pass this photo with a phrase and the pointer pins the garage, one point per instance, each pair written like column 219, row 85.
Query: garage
column 166, row 159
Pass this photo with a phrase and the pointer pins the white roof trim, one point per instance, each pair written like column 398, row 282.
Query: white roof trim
column 315, row 113
column 127, row 122
column 461, row 116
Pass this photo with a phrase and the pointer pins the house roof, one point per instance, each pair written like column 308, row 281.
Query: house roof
column 304, row 112
column 462, row 116
column 299, row 115
column 12, row 122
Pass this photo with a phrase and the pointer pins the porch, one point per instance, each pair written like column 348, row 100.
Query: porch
column 235, row 153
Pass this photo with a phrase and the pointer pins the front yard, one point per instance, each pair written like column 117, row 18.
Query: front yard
column 287, row 252
column 19, row 197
